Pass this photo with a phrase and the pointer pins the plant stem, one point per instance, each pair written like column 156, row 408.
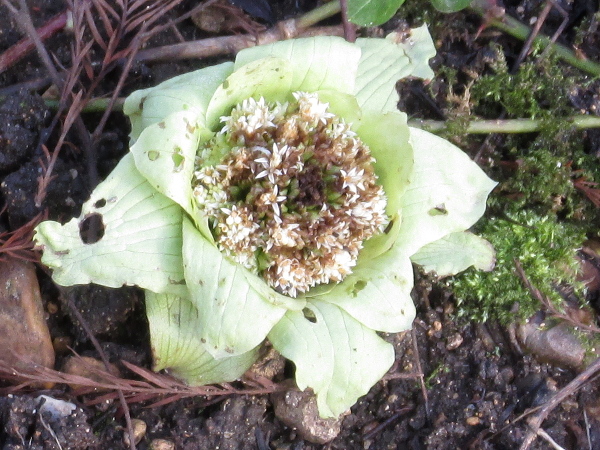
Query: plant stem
column 509, row 126
column 520, row 31
column 316, row 15
column 95, row 105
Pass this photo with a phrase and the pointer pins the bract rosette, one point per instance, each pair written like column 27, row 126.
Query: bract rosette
column 280, row 197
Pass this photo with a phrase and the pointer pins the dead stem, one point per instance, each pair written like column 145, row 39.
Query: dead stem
column 106, row 363
column 232, row 44
column 417, row 358
column 383, row 425
column 536, row 421
column 520, row 31
column 150, row 386
column 18, row 51
column 545, row 301
column 23, row 19
column 19, row 243
column 536, row 30
column 349, row 28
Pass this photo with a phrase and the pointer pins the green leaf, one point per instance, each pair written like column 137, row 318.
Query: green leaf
column 165, row 153
column 385, row 61
column 419, row 48
column 269, row 77
column 342, row 105
column 176, row 344
column 377, row 292
column 317, row 63
column 387, row 136
column 448, row 6
column 336, row 356
column 237, row 308
column 447, row 192
column 454, row 253
column 188, row 92
column 368, row 13
column 141, row 244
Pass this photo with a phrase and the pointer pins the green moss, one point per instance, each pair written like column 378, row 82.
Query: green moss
column 546, row 249
column 417, row 13
column 535, row 215
column 539, row 90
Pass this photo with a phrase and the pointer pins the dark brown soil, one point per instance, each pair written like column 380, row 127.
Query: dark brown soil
column 477, row 380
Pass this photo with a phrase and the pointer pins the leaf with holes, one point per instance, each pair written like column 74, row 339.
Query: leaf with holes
column 168, row 218
column 139, row 239
column 335, row 355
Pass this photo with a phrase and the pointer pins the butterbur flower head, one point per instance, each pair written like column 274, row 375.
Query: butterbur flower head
column 295, row 195
column 280, row 197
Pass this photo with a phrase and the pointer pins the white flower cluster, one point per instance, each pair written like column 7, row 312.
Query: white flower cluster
column 295, row 195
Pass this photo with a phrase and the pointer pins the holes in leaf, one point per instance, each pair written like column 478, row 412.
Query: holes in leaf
column 153, row 155
column 389, row 227
column 357, row 287
column 439, row 210
column 177, row 160
column 100, row 203
column 309, row 315
column 91, row 229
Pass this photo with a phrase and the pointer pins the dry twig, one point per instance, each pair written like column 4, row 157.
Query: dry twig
column 105, row 361
column 536, row 30
column 589, row 189
column 223, row 45
column 536, row 421
column 545, row 301
column 19, row 243
column 18, row 51
column 151, row 386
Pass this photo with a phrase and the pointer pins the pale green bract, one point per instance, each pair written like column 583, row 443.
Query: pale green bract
column 208, row 315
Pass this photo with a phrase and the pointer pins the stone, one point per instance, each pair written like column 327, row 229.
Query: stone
column 557, row 345
column 162, row 444
column 87, row 367
column 24, row 336
column 139, row 431
column 298, row 410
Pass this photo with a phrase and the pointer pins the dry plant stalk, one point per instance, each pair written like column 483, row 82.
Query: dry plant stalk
column 163, row 389
column 549, row 306
column 536, row 421
column 19, row 243
column 589, row 189
column 117, row 29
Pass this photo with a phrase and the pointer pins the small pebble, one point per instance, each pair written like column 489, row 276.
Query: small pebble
column 298, row 410
column 87, row 367
column 473, row 420
column 52, row 307
column 161, row 444
column 62, row 344
column 454, row 342
column 139, row 431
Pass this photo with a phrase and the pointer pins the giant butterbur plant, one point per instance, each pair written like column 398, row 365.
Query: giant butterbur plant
column 280, row 197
